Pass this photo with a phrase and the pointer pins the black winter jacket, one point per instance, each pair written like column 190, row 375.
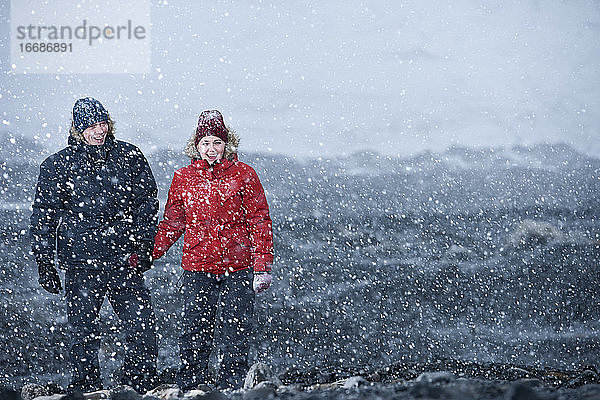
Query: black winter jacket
column 94, row 205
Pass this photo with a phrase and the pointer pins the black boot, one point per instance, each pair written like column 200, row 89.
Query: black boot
column 232, row 375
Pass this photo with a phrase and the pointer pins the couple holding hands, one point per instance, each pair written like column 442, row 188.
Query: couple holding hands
column 95, row 216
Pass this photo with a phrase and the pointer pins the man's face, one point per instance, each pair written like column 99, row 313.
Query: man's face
column 96, row 134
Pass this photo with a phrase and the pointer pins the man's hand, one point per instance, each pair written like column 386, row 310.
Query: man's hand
column 48, row 277
column 142, row 258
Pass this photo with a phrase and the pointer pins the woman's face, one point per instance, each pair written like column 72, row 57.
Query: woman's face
column 96, row 134
column 211, row 148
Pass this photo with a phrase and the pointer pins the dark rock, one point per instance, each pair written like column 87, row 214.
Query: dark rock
column 589, row 366
column 531, row 382
column 165, row 391
column 9, row 394
column 214, row 395
column 124, row 393
column 451, row 379
column 426, row 391
column 355, row 382
column 97, row 395
column 206, row 387
column 436, row 377
column 514, row 373
column 589, row 392
column 260, row 372
column 260, row 392
column 520, row 391
column 532, row 233
column 31, row 390
column 266, row 384
column 289, row 390
column 325, row 377
column 74, row 395
column 587, row 377
column 374, row 377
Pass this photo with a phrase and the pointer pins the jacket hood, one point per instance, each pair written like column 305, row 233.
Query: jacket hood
column 233, row 140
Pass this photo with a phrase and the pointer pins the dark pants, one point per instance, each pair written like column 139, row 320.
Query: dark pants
column 130, row 300
column 203, row 294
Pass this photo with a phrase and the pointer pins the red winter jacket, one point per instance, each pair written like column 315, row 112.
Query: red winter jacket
column 225, row 216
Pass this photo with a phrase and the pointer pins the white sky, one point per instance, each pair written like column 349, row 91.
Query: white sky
column 322, row 78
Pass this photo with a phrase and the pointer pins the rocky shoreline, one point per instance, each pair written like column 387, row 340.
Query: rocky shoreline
column 444, row 379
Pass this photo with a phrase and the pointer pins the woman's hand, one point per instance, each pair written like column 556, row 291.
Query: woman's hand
column 262, row 281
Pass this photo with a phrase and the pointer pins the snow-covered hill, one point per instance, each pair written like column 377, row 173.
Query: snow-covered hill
column 485, row 255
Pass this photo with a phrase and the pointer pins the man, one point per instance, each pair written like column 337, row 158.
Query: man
column 94, row 215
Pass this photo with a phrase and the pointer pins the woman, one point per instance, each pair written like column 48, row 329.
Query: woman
column 220, row 205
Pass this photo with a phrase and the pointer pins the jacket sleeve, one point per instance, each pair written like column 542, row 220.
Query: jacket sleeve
column 144, row 203
column 48, row 207
column 259, row 222
column 172, row 226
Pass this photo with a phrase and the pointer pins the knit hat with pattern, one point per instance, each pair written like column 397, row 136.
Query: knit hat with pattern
column 87, row 112
column 210, row 123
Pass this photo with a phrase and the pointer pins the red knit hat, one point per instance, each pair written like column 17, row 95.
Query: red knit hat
column 211, row 123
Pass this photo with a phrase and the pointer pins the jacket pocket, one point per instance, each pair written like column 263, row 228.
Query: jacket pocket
column 193, row 238
column 231, row 200
column 67, row 235
column 236, row 245
column 201, row 247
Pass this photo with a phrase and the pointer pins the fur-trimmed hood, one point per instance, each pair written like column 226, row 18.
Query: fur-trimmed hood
column 233, row 140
